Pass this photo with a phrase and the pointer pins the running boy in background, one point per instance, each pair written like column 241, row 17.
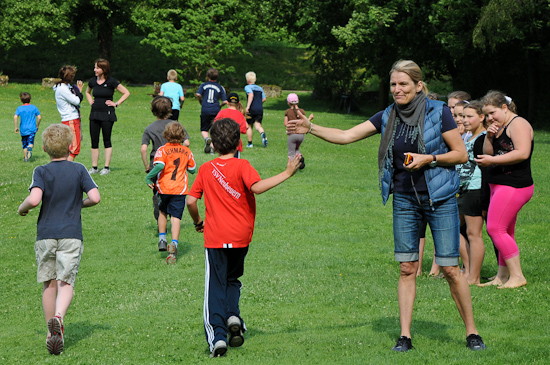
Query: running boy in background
column 294, row 141
column 209, row 95
column 234, row 111
column 27, row 125
column 59, row 244
column 170, row 166
column 161, row 107
column 174, row 91
column 254, row 108
column 228, row 185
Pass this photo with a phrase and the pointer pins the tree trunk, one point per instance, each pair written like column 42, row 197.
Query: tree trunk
column 105, row 36
column 531, row 84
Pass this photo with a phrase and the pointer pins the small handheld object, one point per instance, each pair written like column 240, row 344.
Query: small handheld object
column 408, row 159
column 199, row 226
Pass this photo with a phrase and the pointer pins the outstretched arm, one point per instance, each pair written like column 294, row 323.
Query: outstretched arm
column 266, row 184
column 333, row 135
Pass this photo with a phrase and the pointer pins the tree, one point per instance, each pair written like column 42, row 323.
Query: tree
column 200, row 33
column 23, row 23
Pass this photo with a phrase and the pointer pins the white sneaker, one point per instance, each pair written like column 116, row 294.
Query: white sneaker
column 92, row 171
column 220, row 348
column 234, row 326
column 104, row 171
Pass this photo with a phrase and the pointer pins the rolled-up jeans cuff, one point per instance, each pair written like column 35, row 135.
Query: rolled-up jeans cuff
column 406, row 256
column 446, row 261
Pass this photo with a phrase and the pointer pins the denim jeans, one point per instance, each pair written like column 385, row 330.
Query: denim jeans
column 409, row 211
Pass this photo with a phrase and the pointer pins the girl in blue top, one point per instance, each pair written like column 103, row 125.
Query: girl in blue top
column 470, row 200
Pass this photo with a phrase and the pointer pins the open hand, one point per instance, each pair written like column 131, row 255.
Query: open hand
column 298, row 126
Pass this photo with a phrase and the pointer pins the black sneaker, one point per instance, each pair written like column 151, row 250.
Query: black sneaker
column 162, row 245
column 403, row 344
column 302, row 163
column 475, row 343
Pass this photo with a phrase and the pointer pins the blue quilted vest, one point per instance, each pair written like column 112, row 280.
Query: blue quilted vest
column 442, row 181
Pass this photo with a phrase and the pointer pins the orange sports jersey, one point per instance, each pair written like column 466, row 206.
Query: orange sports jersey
column 177, row 160
column 230, row 204
column 238, row 117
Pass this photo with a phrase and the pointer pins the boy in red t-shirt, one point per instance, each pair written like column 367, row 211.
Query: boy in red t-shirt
column 171, row 163
column 228, row 185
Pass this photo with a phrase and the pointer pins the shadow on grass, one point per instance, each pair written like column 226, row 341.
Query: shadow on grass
column 79, row 331
column 428, row 329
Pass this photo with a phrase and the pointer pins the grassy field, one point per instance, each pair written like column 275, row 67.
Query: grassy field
column 320, row 280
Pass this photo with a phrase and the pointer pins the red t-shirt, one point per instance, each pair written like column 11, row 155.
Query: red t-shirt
column 230, row 205
column 177, row 159
column 238, row 117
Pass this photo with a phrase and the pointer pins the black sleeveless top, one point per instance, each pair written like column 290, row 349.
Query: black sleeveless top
column 517, row 175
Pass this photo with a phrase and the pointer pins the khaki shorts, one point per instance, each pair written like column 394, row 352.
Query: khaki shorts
column 58, row 259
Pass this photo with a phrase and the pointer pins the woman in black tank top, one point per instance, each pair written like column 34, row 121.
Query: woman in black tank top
column 507, row 149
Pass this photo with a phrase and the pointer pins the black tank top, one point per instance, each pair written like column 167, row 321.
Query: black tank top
column 517, row 175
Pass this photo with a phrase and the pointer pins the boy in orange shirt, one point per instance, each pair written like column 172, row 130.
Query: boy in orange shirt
column 171, row 163
column 228, row 185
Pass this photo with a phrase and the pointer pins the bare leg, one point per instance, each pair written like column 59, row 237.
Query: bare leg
column 108, row 155
column 434, row 271
column 95, row 156
column 500, row 278
column 204, row 135
column 162, row 222
column 49, row 296
column 460, row 292
column 175, row 222
column 516, row 278
column 65, row 295
column 463, row 249
column 421, row 245
column 249, row 133
column 258, row 127
column 406, row 294
column 477, row 248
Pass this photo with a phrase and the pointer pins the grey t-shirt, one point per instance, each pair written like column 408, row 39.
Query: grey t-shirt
column 62, row 183
column 154, row 133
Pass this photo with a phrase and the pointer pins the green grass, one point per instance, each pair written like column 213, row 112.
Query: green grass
column 320, row 280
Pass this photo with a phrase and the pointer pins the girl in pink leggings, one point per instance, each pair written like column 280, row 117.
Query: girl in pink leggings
column 507, row 150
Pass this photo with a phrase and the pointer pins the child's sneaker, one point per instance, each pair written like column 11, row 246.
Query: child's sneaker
column 220, row 348
column 93, row 170
column 173, row 256
column 55, row 342
column 234, row 326
column 249, row 145
column 162, row 245
column 207, row 146
column 105, row 171
column 264, row 140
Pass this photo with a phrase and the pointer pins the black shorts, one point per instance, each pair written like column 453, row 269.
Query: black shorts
column 469, row 203
column 206, row 121
column 255, row 117
column 172, row 205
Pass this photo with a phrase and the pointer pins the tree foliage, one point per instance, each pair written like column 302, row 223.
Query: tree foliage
column 200, row 33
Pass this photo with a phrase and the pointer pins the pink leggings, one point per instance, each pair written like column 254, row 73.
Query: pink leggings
column 504, row 207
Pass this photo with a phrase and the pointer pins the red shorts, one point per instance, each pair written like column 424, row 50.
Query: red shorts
column 74, row 124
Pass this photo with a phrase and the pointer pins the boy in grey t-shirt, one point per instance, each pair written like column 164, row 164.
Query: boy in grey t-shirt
column 59, row 185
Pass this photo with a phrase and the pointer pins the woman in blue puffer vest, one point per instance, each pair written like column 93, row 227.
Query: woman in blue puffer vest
column 419, row 147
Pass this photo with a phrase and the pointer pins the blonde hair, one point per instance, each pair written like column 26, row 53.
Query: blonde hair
column 250, row 77
column 173, row 132
column 413, row 70
column 56, row 140
column 172, row 75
